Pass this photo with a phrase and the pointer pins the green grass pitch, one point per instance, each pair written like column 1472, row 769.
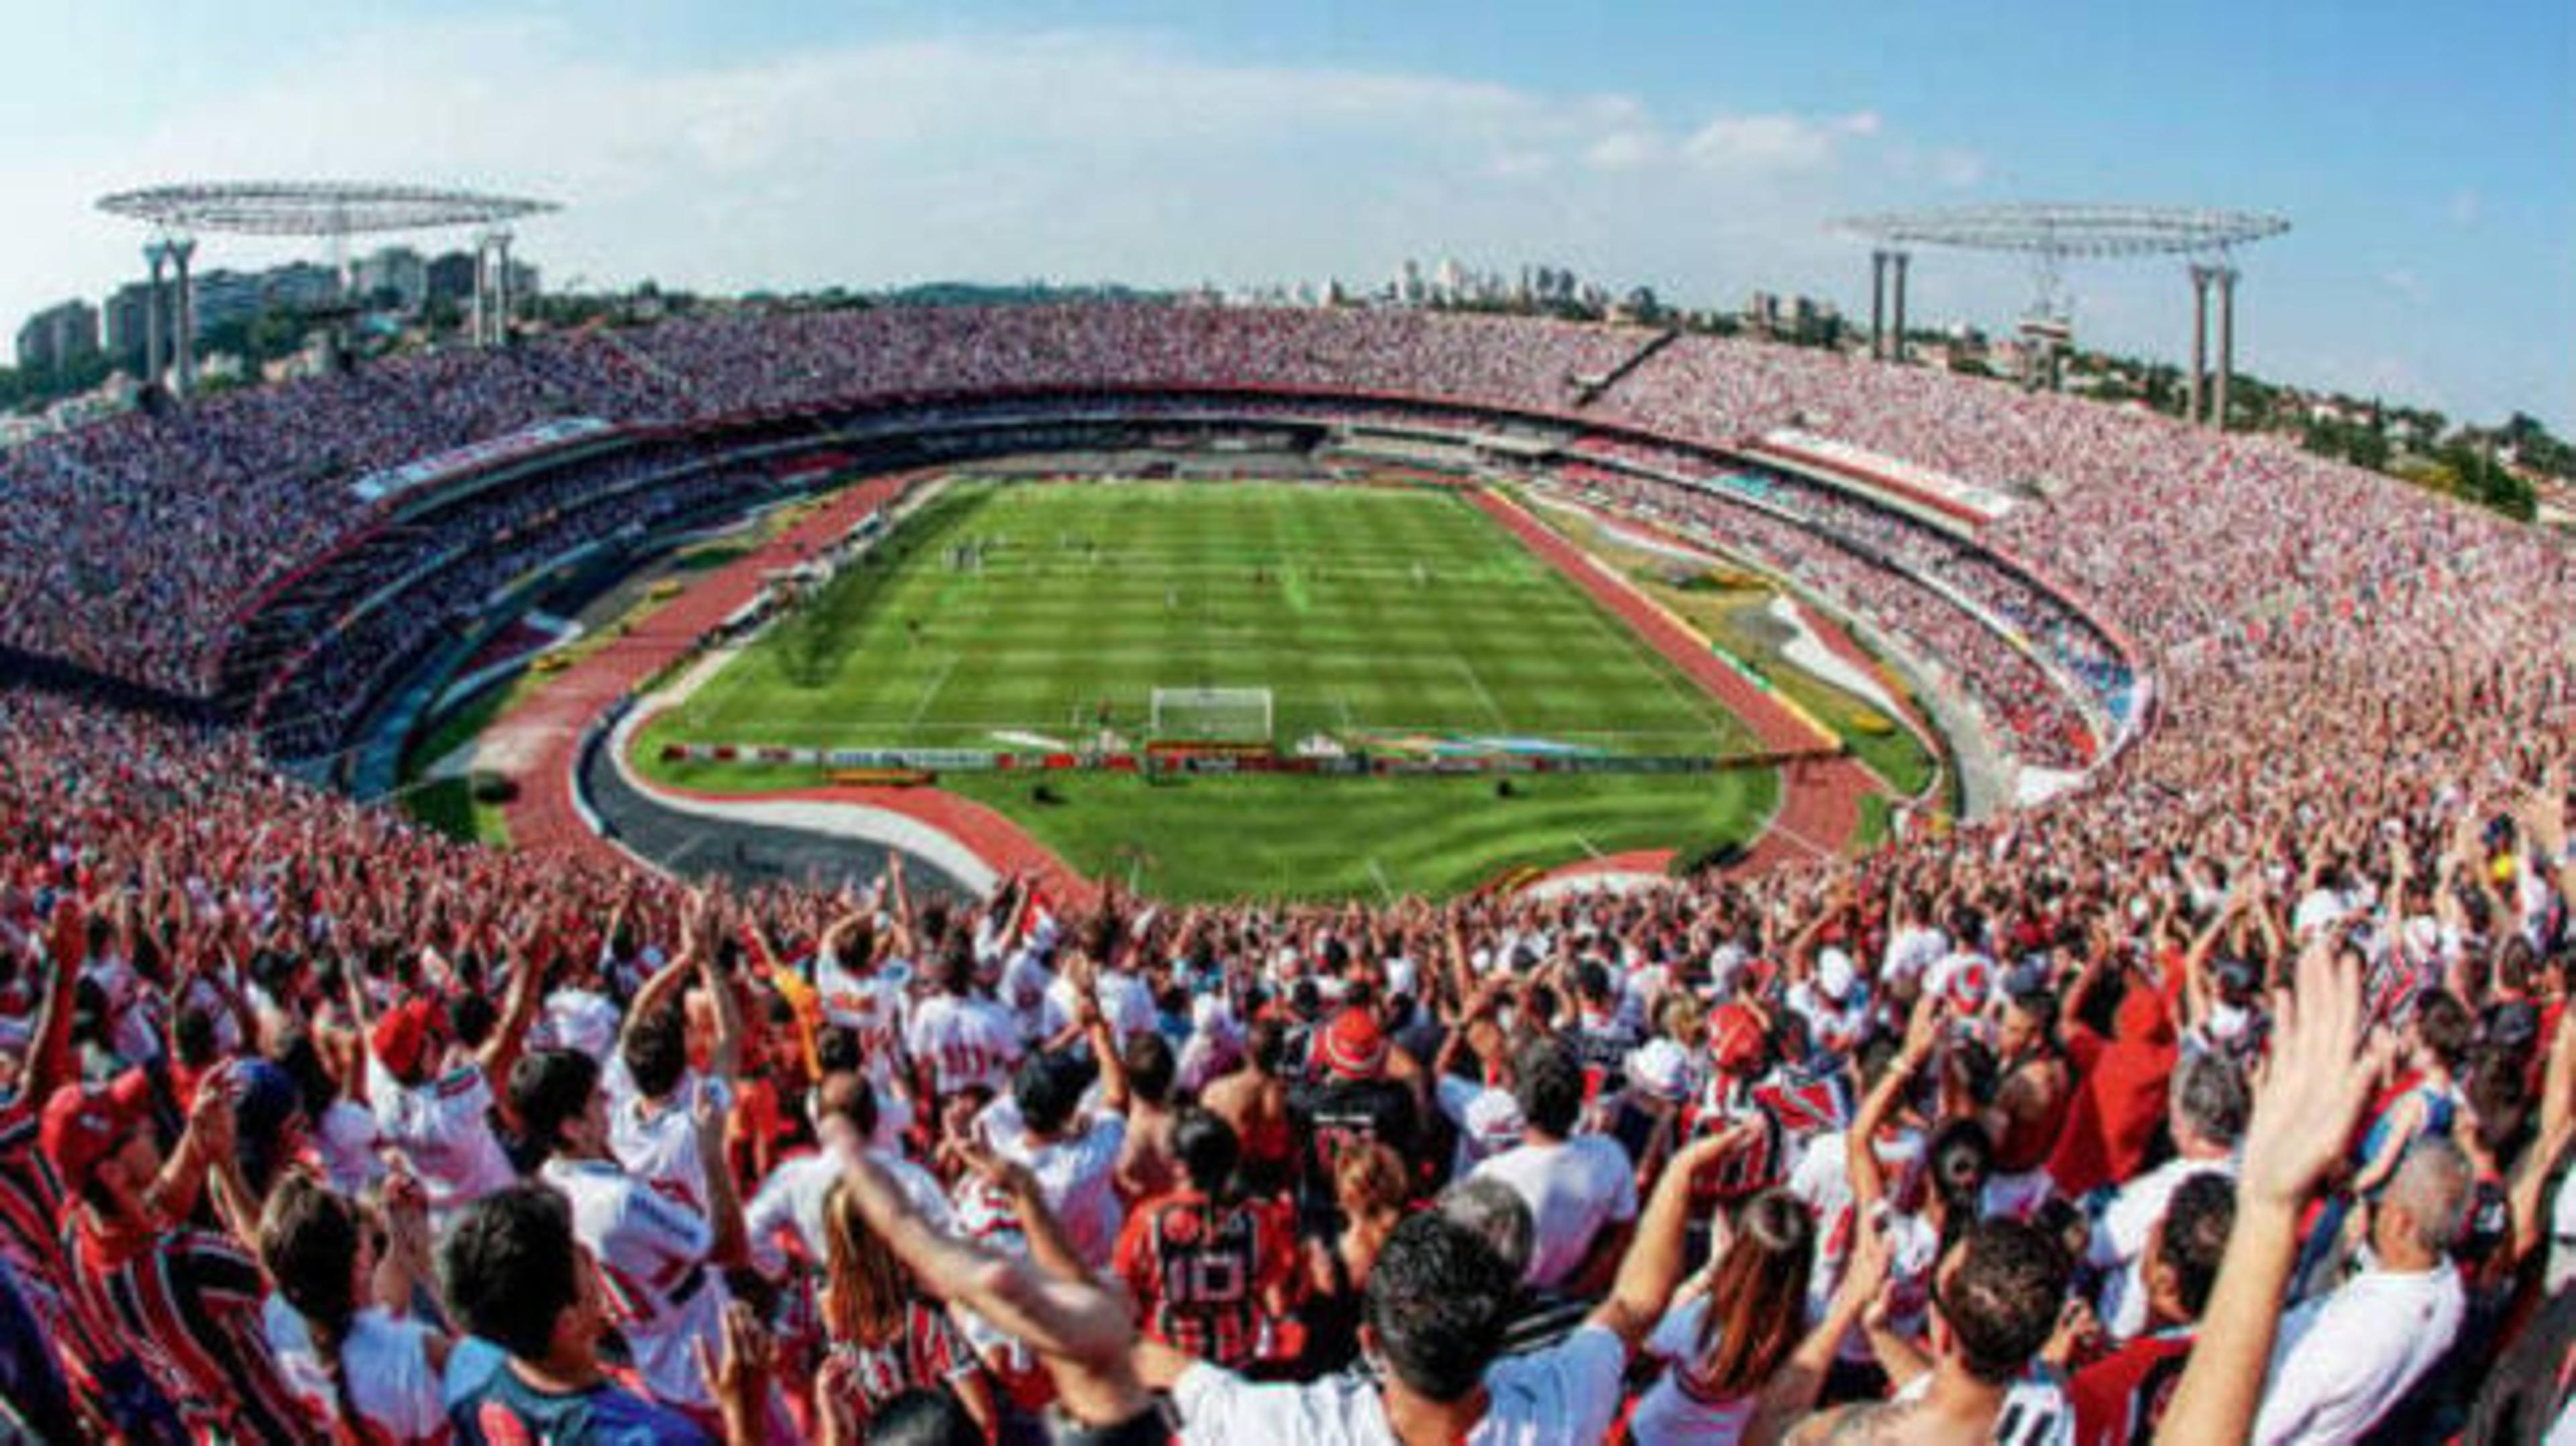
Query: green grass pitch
column 1028, row 610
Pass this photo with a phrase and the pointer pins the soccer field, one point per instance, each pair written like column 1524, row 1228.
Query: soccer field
column 1006, row 613
column 1019, row 615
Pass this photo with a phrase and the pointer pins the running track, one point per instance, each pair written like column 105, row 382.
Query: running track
column 543, row 816
column 1821, row 794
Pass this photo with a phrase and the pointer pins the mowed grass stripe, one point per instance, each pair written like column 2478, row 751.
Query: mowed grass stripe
column 1374, row 607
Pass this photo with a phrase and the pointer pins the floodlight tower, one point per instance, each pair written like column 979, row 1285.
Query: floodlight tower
column 2054, row 235
column 335, row 210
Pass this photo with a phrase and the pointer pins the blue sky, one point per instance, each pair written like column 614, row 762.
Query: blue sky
column 2427, row 158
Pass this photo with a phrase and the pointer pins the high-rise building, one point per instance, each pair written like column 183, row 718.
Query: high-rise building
column 451, row 277
column 298, row 286
column 223, row 297
column 395, row 277
column 58, row 337
column 129, row 318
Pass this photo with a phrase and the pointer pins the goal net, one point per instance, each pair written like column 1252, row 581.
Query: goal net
column 1224, row 715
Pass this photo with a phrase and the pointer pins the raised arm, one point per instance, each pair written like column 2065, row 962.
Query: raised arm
column 2539, row 1162
column 2323, row 1068
column 724, row 1199
column 49, row 1054
column 1654, row 1262
column 664, row 987
column 1860, row 1161
column 530, row 954
column 1114, row 1091
column 724, row 1057
column 1082, row 1329
column 1793, row 1389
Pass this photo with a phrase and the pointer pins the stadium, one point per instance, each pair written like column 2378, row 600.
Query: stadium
column 1248, row 674
column 611, row 446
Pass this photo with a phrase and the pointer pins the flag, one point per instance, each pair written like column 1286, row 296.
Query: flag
column 1038, row 925
column 1804, row 1104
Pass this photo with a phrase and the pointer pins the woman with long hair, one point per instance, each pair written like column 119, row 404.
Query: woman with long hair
column 1731, row 1328
column 883, row 1335
column 1371, row 1188
column 373, row 1371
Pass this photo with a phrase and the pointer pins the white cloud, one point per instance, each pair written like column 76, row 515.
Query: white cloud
column 1625, row 151
column 1771, row 143
column 1066, row 154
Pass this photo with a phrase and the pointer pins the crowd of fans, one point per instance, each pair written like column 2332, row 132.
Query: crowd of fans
column 328, row 1124
column 2230, row 1095
column 330, row 686
column 2021, row 705
column 147, row 533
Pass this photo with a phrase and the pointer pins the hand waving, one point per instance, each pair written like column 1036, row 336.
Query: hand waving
column 2324, row 1066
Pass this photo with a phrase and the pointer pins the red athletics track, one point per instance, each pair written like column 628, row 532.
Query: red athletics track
column 543, row 816
column 1820, row 803
column 1819, row 795
column 1827, row 628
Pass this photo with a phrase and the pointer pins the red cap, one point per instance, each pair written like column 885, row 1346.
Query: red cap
column 1735, row 1038
column 85, row 1124
column 403, row 1034
column 1353, row 1046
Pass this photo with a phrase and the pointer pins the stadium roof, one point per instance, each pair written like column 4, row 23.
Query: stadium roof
column 2059, row 230
column 315, row 208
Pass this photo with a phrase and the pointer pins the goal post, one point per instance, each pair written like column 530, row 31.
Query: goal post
column 1214, row 715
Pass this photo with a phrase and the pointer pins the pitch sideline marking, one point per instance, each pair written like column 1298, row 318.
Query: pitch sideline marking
column 931, row 694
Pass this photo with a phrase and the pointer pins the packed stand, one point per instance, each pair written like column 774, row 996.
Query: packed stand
column 328, row 1125
column 2022, row 706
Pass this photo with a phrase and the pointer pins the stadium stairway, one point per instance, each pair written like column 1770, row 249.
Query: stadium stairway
column 1600, row 386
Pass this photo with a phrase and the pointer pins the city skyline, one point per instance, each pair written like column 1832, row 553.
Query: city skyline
column 2434, row 259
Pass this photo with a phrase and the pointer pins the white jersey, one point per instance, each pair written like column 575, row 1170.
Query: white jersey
column 2035, row 1411
column 1822, row 1180
column 986, row 1216
column 2344, row 1361
column 1835, row 1027
column 1911, row 951
column 578, row 1019
column 2562, row 1238
column 2120, row 1239
column 346, row 1139
column 966, row 1043
column 789, row 1205
column 444, row 1128
column 385, row 1362
column 1568, row 1392
column 658, row 1144
column 1029, row 993
column 660, row 1291
column 1488, row 1119
column 1673, row 1409
column 1126, row 1003
column 1077, row 1176
column 135, row 1010
column 1575, row 1189
column 870, row 1006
